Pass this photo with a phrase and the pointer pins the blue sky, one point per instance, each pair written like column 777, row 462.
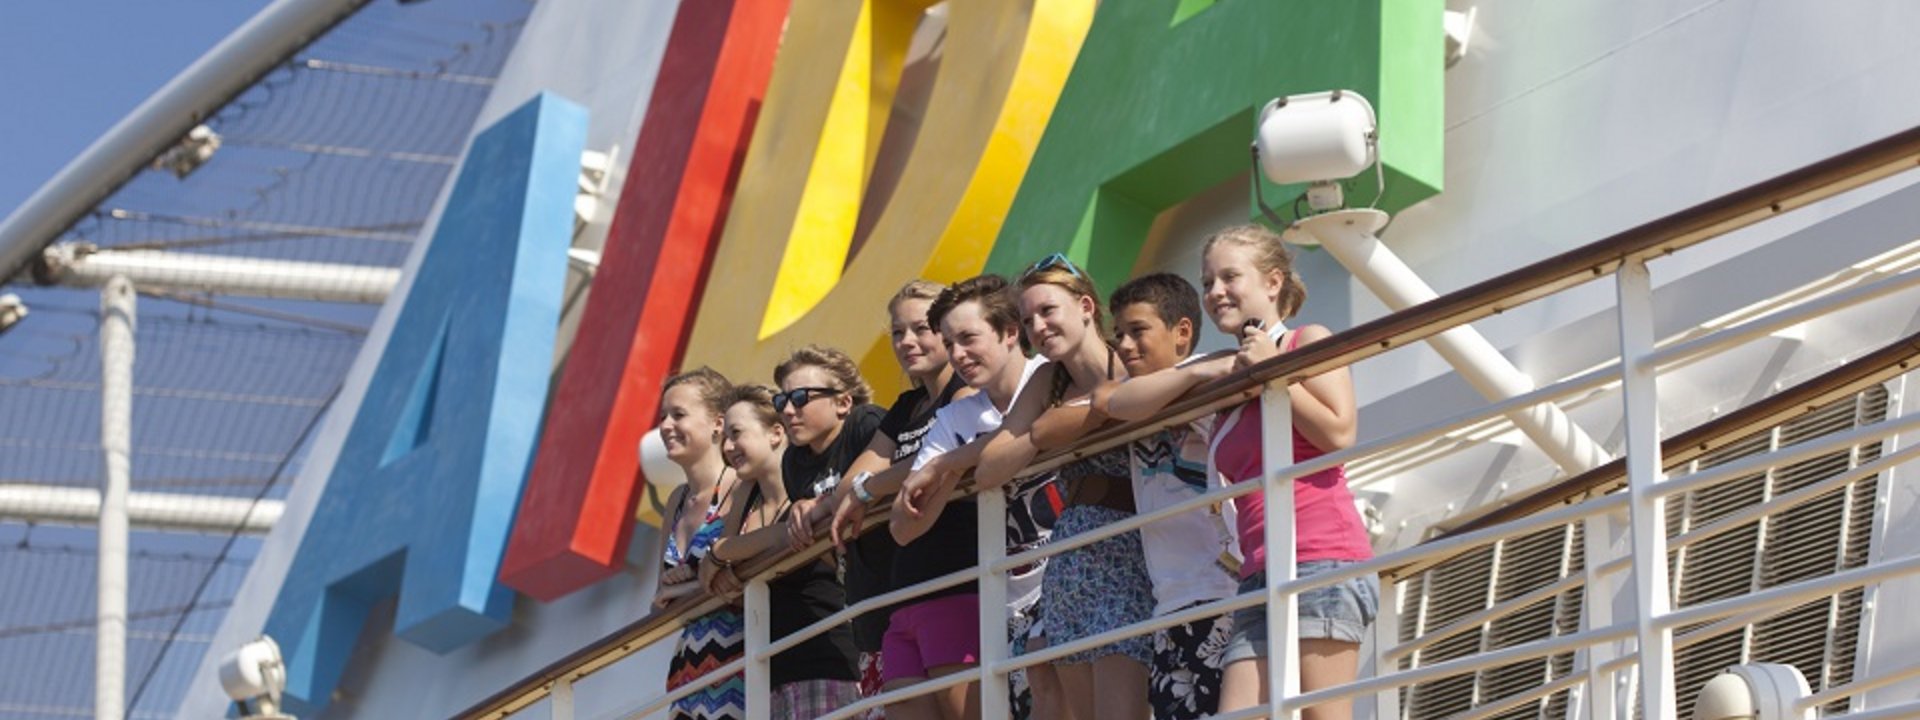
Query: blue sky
column 70, row 69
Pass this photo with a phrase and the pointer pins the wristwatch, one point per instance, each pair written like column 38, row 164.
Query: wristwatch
column 860, row 487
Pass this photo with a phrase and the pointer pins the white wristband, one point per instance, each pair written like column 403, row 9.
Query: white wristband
column 860, row 487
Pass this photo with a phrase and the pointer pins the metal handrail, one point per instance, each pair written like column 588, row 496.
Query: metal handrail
column 1654, row 239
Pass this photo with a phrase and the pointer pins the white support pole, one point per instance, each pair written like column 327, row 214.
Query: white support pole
column 995, row 701
column 145, row 510
column 1651, row 599
column 759, row 632
column 1283, row 616
column 258, row 46
column 116, row 442
column 78, row 266
column 1349, row 236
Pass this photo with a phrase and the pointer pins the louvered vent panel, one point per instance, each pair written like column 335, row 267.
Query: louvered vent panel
column 1453, row 590
column 1818, row 538
column 1822, row 536
column 1526, row 564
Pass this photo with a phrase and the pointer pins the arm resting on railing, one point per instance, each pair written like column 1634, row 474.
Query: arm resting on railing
column 1013, row 445
column 805, row 525
column 1323, row 405
column 1061, row 426
column 1141, row 397
column 850, row 512
column 924, row 496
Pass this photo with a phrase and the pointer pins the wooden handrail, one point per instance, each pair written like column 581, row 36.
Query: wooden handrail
column 1664, row 236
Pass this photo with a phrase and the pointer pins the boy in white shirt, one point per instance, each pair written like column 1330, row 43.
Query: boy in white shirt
column 1192, row 557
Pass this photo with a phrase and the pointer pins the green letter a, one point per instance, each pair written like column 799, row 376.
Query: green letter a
column 1162, row 104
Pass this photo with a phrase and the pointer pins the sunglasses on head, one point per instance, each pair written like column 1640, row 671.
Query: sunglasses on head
column 1056, row 260
column 800, row 396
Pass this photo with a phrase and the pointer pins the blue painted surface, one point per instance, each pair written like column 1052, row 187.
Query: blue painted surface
column 422, row 496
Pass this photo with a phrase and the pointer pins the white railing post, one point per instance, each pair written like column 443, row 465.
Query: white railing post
column 1283, row 616
column 1878, row 548
column 560, row 705
column 116, row 440
column 994, row 700
column 1386, row 634
column 1597, row 612
column 759, row 631
column 1651, row 598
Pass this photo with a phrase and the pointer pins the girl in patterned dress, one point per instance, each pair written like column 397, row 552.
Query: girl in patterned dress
column 1105, row 585
column 690, row 420
column 818, row 675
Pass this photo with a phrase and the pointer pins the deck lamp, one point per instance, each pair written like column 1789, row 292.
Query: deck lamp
column 1319, row 139
column 1755, row 691
column 12, row 311
column 255, row 676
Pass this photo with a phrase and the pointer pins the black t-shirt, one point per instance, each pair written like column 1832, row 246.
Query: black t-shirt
column 908, row 419
column 808, row 594
column 951, row 544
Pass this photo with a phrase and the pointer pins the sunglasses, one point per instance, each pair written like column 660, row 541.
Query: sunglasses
column 1056, row 260
column 800, row 396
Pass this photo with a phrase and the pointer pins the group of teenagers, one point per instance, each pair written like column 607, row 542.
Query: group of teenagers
column 768, row 467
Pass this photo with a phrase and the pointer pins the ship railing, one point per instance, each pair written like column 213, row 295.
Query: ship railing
column 1654, row 617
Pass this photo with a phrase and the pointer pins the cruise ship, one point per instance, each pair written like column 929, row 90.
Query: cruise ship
column 386, row 293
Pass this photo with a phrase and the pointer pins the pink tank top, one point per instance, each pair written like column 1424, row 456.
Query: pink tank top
column 1326, row 524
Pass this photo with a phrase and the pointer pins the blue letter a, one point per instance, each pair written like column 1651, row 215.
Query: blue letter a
column 423, row 493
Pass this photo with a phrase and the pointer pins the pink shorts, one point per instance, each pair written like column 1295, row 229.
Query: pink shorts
column 941, row 631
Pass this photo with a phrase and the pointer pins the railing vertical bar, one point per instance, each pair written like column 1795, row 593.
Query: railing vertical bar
column 1878, row 548
column 1597, row 612
column 560, row 705
column 1283, row 618
column 759, row 631
column 1386, row 635
column 1648, row 512
column 994, row 700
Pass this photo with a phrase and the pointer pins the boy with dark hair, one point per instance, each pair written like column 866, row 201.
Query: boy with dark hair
column 1192, row 557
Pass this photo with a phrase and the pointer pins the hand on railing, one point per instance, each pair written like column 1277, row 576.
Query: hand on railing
column 921, row 499
column 718, row 578
column 677, row 582
column 679, row 574
column 800, row 522
column 847, row 519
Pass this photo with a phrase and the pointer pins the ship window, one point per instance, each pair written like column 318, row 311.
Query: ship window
column 1826, row 535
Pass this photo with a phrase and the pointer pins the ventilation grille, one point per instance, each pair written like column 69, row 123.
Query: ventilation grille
column 1818, row 538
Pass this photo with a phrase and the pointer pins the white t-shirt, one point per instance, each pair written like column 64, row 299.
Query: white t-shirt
column 1191, row 557
column 1030, row 513
column 1188, row 555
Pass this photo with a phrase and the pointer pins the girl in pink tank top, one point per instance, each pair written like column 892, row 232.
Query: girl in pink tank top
column 1326, row 524
column 1248, row 287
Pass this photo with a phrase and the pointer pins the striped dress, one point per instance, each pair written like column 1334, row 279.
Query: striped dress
column 709, row 641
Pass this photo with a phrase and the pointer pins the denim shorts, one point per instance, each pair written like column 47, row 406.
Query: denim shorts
column 1339, row 612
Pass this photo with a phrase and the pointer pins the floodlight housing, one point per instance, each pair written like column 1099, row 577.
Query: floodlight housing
column 255, row 676
column 1316, row 137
